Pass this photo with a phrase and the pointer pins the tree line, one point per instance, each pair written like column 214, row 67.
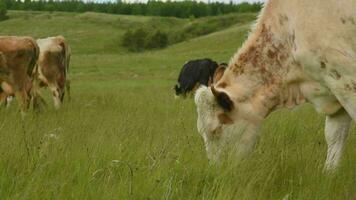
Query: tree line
column 3, row 10
column 181, row 9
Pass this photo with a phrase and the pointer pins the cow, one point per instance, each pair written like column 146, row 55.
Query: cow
column 195, row 73
column 53, row 66
column 298, row 51
column 18, row 57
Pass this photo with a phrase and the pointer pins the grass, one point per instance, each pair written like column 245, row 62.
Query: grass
column 123, row 136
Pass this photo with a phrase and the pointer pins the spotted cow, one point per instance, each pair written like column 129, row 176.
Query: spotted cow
column 299, row 51
column 53, row 66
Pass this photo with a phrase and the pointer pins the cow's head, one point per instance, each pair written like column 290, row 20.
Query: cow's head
column 224, row 111
column 183, row 91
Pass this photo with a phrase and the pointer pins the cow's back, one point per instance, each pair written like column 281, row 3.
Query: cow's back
column 53, row 60
column 21, row 54
column 196, row 72
column 327, row 30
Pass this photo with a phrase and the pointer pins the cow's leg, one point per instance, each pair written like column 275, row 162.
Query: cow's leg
column 336, row 131
column 56, row 96
column 3, row 98
column 8, row 100
column 7, row 92
column 22, row 98
column 37, row 99
column 68, row 89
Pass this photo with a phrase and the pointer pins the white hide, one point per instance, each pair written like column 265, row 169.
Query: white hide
column 299, row 51
column 235, row 140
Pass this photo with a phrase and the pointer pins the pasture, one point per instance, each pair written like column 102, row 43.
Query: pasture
column 123, row 136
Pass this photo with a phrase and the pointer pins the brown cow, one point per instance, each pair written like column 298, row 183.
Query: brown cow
column 18, row 56
column 53, row 65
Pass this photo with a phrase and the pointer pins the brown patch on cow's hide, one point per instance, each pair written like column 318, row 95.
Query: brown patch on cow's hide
column 322, row 65
column 346, row 20
column 271, row 54
column 245, row 57
column 335, row 74
column 224, row 119
column 222, row 85
column 266, row 34
column 348, row 87
column 238, row 69
column 353, row 86
column 343, row 20
column 265, row 56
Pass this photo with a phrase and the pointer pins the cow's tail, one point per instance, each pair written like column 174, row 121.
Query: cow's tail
column 65, row 54
column 35, row 55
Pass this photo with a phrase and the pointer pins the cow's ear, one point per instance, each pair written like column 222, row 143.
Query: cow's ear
column 223, row 100
column 219, row 72
column 225, row 119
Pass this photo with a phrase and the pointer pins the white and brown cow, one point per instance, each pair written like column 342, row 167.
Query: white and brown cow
column 53, row 66
column 18, row 56
column 299, row 51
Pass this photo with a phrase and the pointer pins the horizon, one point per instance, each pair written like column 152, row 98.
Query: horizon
column 205, row 1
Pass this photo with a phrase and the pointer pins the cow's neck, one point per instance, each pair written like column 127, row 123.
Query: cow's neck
column 266, row 66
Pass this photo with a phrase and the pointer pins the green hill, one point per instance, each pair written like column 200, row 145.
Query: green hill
column 94, row 33
column 95, row 40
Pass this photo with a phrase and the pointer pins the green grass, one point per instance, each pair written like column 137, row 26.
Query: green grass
column 123, row 136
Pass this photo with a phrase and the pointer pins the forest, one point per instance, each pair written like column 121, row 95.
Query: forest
column 182, row 9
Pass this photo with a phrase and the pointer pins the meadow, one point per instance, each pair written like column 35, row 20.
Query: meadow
column 124, row 136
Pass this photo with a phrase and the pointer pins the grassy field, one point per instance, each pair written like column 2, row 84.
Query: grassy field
column 123, row 136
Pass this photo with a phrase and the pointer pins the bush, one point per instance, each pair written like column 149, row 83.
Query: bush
column 135, row 40
column 157, row 40
column 3, row 10
column 141, row 39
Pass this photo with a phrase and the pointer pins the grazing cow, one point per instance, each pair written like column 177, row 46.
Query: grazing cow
column 53, row 66
column 299, row 51
column 18, row 56
column 195, row 73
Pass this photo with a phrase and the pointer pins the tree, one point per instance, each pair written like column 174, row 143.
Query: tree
column 3, row 10
column 157, row 40
column 181, row 9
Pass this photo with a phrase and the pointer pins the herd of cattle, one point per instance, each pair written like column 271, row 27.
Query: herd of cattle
column 27, row 64
column 292, row 56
